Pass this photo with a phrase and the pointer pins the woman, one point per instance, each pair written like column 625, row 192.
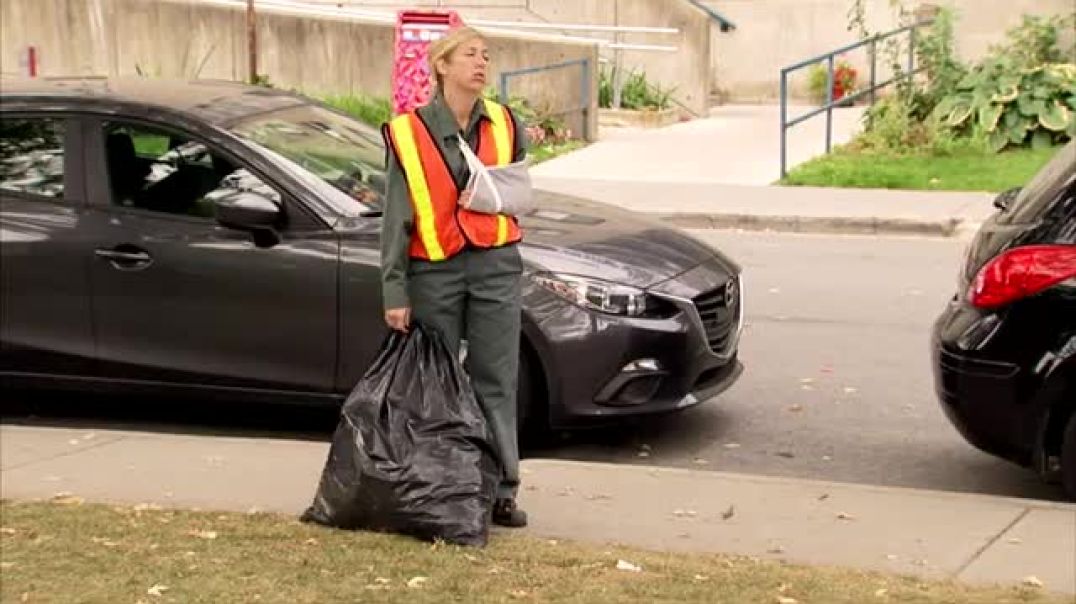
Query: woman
column 445, row 266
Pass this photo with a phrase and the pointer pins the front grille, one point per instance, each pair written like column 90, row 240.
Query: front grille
column 719, row 320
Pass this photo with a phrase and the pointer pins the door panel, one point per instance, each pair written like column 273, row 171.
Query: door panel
column 45, row 316
column 179, row 298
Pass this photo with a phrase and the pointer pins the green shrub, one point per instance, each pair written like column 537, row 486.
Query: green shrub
column 635, row 93
column 368, row 109
column 1014, row 105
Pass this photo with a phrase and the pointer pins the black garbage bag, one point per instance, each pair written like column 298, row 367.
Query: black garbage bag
column 412, row 453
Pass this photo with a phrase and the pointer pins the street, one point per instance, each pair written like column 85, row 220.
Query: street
column 837, row 383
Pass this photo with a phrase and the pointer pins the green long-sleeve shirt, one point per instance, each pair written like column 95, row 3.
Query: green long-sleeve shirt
column 398, row 220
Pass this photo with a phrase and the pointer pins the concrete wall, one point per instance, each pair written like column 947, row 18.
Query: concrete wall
column 687, row 71
column 771, row 34
column 180, row 39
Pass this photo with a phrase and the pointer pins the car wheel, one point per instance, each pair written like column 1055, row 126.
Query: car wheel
column 1068, row 458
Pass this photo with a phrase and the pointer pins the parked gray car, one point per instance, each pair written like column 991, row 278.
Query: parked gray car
column 221, row 240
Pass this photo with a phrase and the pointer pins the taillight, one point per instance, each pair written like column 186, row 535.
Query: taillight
column 1022, row 272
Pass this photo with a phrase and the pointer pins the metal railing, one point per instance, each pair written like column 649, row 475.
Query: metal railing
column 830, row 59
column 584, row 82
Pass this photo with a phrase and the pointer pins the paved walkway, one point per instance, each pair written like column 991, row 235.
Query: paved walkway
column 974, row 538
column 717, row 172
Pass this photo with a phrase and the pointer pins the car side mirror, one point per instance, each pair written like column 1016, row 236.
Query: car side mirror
column 247, row 211
column 1004, row 200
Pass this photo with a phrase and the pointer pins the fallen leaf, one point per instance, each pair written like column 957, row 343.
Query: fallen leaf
column 209, row 535
column 796, row 408
column 729, row 513
column 1033, row 581
column 881, row 593
column 786, row 600
column 494, row 571
column 67, row 499
column 844, row 516
column 416, row 582
column 732, row 445
column 310, row 541
column 157, row 590
column 678, row 513
column 823, row 497
column 1015, row 541
column 701, row 578
column 786, row 454
column 628, row 566
column 518, row 594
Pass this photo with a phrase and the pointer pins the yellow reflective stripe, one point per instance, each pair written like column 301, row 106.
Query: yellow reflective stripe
column 502, row 230
column 500, row 132
column 404, row 136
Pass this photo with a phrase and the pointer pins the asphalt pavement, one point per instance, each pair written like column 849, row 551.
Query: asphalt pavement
column 838, row 382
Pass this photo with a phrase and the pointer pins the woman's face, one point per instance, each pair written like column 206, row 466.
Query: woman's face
column 466, row 67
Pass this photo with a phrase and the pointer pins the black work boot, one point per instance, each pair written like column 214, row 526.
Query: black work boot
column 505, row 513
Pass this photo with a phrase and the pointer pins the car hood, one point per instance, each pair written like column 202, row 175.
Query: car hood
column 580, row 237
column 574, row 236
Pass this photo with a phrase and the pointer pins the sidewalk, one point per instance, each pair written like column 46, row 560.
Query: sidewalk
column 717, row 173
column 977, row 539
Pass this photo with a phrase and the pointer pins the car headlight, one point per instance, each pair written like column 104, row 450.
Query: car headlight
column 603, row 296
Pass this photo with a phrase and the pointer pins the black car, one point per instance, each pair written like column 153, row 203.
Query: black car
column 216, row 239
column 1005, row 346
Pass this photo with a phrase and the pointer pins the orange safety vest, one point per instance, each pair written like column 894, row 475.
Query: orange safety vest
column 442, row 227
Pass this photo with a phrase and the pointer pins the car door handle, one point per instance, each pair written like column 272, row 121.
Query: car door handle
column 125, row 258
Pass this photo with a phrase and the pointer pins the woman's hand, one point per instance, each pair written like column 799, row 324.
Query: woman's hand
column 465, row 199
column 398, row 318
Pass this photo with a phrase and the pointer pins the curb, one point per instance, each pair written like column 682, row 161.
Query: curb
column 806, row 483
column 836, row 225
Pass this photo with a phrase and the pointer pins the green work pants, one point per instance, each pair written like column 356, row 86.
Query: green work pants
column 475, row 295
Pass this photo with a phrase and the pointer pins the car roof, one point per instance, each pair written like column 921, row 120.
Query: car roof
column 218, row 102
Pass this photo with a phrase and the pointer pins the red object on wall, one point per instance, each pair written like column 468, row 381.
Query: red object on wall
column 412, row 81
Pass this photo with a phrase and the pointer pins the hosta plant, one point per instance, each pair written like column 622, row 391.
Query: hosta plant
column 1014, row 106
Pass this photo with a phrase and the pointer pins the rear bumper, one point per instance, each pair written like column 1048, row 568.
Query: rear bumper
column 981, row 397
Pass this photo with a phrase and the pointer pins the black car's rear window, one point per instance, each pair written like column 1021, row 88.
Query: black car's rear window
column 1042, row 191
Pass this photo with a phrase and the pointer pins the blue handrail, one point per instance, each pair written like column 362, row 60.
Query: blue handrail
column 830, row 59
column 585, row 82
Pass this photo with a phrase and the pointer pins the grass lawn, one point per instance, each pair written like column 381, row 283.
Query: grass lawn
column 966, row 171
column 546, row 152
column 65, row 551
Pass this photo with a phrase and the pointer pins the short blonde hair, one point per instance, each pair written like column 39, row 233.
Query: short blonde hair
column 444, row 47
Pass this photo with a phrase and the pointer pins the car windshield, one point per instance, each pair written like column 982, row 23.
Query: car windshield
column 341, row 158
column 1035, row 198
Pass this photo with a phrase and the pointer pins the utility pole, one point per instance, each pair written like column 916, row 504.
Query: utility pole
column 252, row 42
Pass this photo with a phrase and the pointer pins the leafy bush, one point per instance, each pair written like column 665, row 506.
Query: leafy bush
column 367, row 109
column 635, row 93
column 1012, row 105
